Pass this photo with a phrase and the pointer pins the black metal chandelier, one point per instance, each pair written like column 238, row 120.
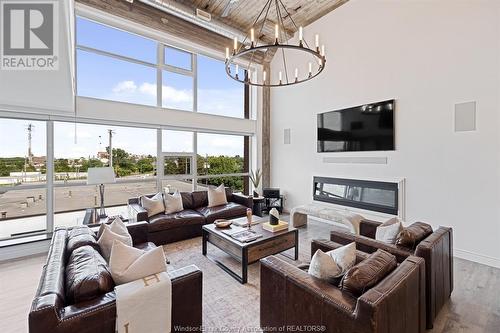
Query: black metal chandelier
column 243, row 51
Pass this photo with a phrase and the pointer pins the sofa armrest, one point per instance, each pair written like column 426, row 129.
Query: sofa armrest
column 368, row 228
column 437, row 251
column 245, row 200
column 368, row 245
column 137, row 213
column 187, row 295
column 290, row 297
column 138, row 231
column 400, row 296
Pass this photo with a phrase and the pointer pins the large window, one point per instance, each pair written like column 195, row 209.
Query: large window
column 124, row 67
column 23, row 177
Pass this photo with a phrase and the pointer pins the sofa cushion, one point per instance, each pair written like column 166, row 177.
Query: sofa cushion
column 187, row 200
column 87, row 275
column 200, row 199
column 168, row 221
column 80, row 236
column 410, row 236
column 227, row 211
column 368, row 273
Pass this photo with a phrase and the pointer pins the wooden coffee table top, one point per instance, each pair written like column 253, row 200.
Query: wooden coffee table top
column 266, row 235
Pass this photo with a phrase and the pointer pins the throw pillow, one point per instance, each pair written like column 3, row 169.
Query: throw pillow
column 412, row 235
column 108, row 237
column 217, row 196
column 173, row 202
column 388, row 231
column 332, row 264
column 368, row 273
column 129, row 264
column 153, row 205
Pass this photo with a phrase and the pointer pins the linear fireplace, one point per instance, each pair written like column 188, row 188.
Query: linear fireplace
column 371, row 195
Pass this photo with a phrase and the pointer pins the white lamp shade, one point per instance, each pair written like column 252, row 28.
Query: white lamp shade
column 97, row 176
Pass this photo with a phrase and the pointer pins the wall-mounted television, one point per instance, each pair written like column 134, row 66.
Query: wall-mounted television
column 368, row 127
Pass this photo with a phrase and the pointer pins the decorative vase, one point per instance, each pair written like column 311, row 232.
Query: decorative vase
column 274, row 217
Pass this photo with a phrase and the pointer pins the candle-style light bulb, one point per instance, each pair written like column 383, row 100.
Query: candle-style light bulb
column 227, row 53
column 310, row 68
column 235, row 44
column 280, row 76
column 252, row 35
column 301, row 35
column 237, row 69
column 264, row 76
column 276, row 32
column 296, row 74
column 317, row 41
column 323, row 50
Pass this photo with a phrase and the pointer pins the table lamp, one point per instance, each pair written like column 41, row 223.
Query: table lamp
column 101, row 176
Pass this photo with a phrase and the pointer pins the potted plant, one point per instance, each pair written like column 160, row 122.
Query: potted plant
column 255, row 178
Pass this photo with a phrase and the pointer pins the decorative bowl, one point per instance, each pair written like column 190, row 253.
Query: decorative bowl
column 222, row 223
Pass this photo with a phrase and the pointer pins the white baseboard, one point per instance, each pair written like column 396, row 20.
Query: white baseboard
column 479, row 258
column 24, row 250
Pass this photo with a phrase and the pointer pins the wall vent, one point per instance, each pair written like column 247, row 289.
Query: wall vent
column 203, row 15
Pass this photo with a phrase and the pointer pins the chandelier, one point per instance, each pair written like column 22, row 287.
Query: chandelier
column 245, row 52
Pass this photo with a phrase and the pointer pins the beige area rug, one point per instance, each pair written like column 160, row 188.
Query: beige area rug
column 229, row 306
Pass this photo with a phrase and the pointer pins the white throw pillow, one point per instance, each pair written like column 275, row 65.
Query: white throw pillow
column 128, row 264
column 388, row 231
column 333, row 264
column 153, row 205
column 173, row 202
column 217, row 196
column 108, row 237
column 117, row 226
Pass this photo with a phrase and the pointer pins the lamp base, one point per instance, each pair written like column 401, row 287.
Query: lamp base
column 102, row 212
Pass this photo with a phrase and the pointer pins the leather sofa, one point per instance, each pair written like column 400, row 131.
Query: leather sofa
column 436, row 249
column 291, row 300
column 59, row 306
column 168, row 228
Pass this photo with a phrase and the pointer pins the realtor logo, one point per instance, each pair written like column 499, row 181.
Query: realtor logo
column 29, row 38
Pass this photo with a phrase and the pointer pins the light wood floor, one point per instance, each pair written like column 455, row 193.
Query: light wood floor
column 228, row 305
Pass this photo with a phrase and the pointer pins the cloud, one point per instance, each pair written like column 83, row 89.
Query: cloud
column 125, row 87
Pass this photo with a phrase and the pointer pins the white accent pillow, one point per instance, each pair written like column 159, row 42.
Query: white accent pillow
column 388, row 231
column 128, row 264
column 173, row 202
column 110, row 234
column 117, row 226
column 333, row 264
column 153, row 205
column 217, row 196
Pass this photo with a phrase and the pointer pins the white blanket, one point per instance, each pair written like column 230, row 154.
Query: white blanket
column 349, row 219
column 144, row 305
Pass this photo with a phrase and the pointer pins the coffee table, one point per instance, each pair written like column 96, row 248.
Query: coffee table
column 247, row 253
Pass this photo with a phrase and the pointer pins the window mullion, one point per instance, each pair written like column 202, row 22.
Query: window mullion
column 194, row 66
column 159, row 75
column 50, row 176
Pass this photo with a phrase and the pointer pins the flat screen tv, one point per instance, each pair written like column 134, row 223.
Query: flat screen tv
column 368, row 127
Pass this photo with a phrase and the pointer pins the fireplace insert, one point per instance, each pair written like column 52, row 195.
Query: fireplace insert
column 365, row 194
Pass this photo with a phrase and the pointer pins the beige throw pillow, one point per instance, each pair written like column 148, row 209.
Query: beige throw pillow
column 173, row 202
column 388, row 231
column 128, row 264
column 332, row 264
column 117, row 226
column 108, row 237
column 217, row 196
column 153, row 205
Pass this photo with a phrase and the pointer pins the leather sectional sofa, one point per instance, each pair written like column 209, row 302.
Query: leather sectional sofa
column 436, row 249
column 291, row 300
column 76, row 293
column 168, row 228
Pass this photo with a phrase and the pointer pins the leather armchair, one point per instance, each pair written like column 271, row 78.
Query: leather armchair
column 436, row 250
column 291, row 300
column 52, row 312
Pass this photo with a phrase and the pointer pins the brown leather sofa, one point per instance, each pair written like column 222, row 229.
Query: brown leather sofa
column 168, row 228
column 436, row 249
column 76, row 295
column 291, row 300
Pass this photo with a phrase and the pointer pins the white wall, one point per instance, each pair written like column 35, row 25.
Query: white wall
column 39, row 91
column 428, row 55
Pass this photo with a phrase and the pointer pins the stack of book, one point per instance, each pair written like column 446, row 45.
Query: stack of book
column 282, row 225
